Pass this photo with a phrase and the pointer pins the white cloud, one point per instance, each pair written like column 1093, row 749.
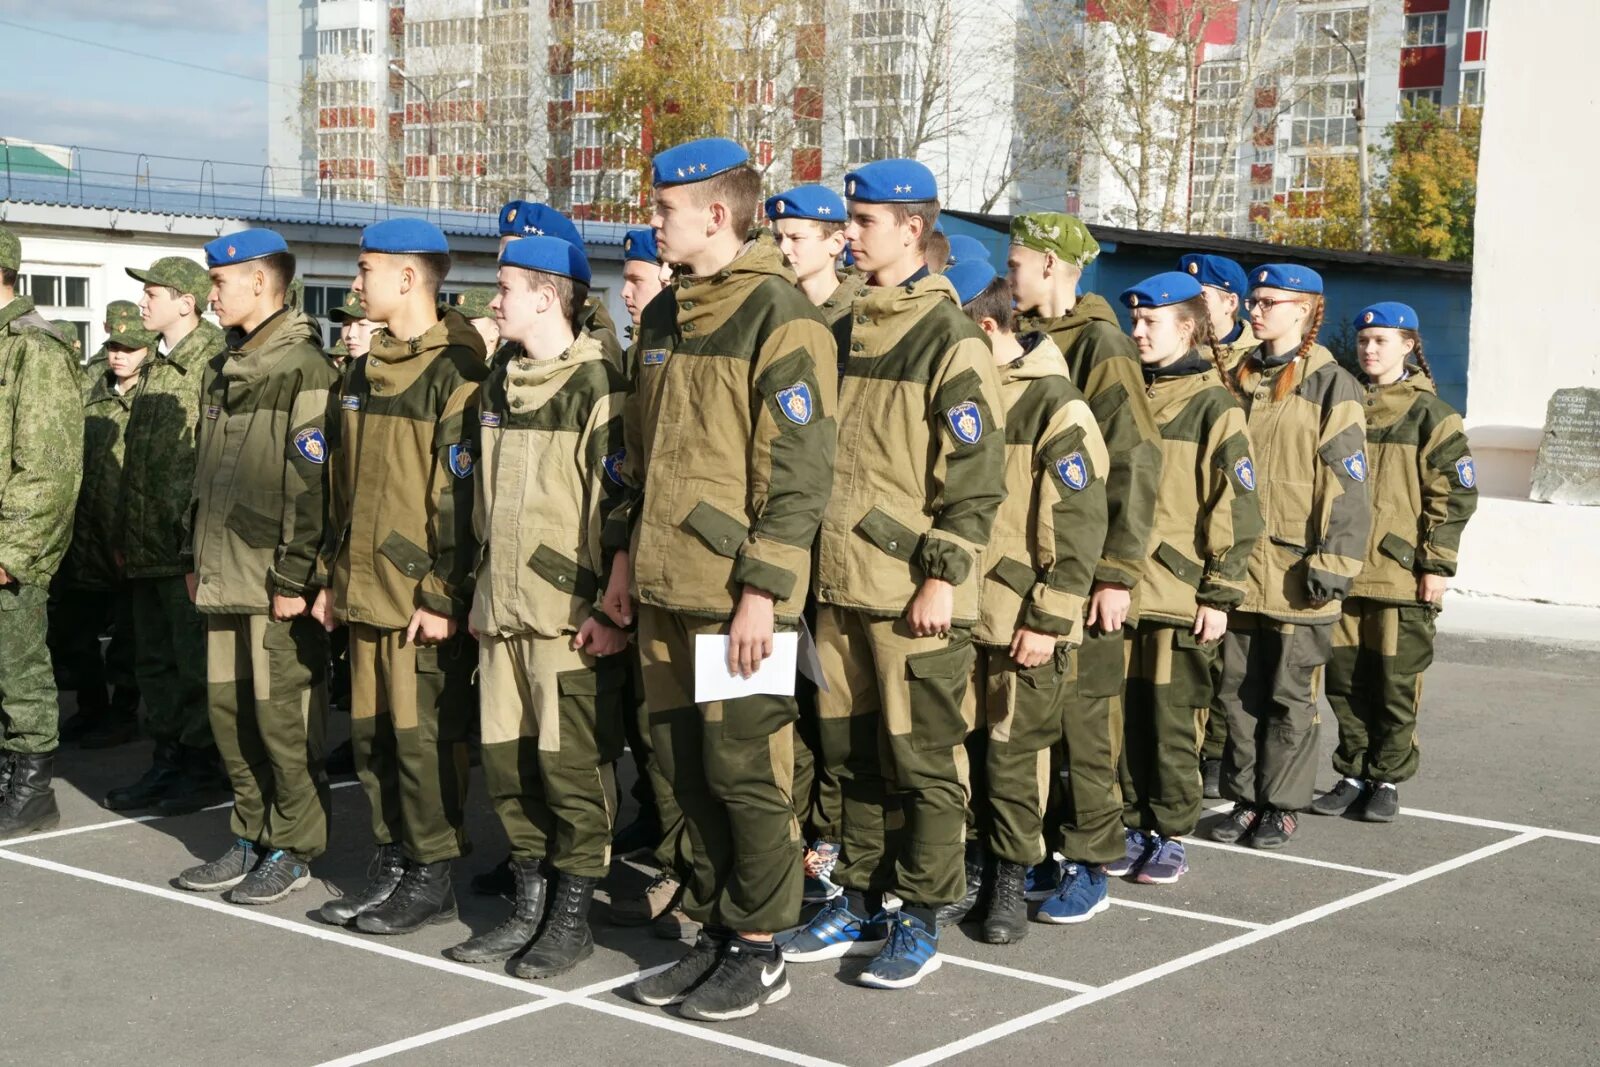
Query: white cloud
column 233, row 130
column 241, row 16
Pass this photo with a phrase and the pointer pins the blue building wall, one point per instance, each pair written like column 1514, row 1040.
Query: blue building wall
column 1441, row 294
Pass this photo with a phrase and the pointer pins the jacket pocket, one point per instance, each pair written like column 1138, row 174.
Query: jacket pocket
column 889, row 535
column 589, row 703
column 1398, row 549
column 564, row 573
column 410, row 559
column 1188, row 571
column 1015, row 575
column 938, row 681
column 254, row 528
column 722, row 533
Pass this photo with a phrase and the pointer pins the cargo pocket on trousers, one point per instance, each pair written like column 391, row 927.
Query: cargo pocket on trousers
column 297, row 652
column 1101, row 666
column 589, row 703
column 1414, row 645
column 722, row 533
column 255, row 529
column 1036, row 706
column 407, row 556
column 938, row 681
column 1192, row 665
column 752, row 717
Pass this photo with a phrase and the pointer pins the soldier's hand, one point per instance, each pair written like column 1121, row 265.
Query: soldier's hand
column 750, row 633
column 191, row 581
column 285, row 608
column 1431, row 588
column 932, row 608
column 322, row 610
column 598, row 639
column 1210, row 624
column 1030, row 648
column 430, row 628
column 617, row 603
column 1109, row 605
column 5, row 579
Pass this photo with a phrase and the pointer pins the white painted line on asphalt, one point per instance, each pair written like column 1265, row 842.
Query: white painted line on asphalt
column 1013, row 972
column 1508, row 827
column 28, row 839
column 1200, row 916
column 443, row 1033
column 1283, row 857
column 1221, row 948
column 662, row 1021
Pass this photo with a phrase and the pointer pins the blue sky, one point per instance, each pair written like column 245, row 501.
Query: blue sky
column 79, row 94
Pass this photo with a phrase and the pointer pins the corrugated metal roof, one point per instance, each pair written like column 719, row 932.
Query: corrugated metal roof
column 261, row 207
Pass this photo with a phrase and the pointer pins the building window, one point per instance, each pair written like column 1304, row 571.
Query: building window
column 1322, row 117
column 344, row 42
column 54, row 290
column 1422, row 96
column 1477, row 14
column 1472, row 88
column 1317, row 55
column 1424, row 30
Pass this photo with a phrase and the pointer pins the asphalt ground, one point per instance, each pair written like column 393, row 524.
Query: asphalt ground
column 1466, row 932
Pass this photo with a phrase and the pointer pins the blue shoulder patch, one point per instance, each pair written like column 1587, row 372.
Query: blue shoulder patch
column 1246, row 473
column 488, row 418
column 612, row 465
column 966, row 422
column 795, row 403
column 212, row 411
column 1466, row 473
column 461, row 460
column 311, row 444
column 653, row 357
column 350, row 403
column 1073, row 471
column 1355, row 464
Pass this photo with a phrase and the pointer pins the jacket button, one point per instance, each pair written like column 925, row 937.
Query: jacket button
column 1261, row 394
column 857, row 346
column 862, row 319
column 561, row 579
column 893, row 545
column 688, row 327
column 1150, row 392
column 687, row 305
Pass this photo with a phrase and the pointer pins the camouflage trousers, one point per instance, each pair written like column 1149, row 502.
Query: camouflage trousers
column 1167, row 702
column 268, row 696
column 730, row 764
column 170, row 640
column 1270, row 675
column 650, row 786
column 1380, row 652
column 411, row 707
column 550, row 720
column 817, row 800
column 1019, row 709
column 1086, row 808
column 29, row 714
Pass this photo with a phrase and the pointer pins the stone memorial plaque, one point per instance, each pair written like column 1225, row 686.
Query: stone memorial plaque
column 1567, row 469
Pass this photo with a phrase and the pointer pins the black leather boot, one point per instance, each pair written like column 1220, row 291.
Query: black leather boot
column 565, row 940
column 382, row 877
column 513, row 935
column 30, row 803
column 423, row 896
column 201, row 782
column 6, row 767
column 156, row 784
column 1007, row 920
column 954, row 914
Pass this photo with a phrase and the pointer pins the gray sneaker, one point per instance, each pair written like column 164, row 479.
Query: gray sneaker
column 277, row 875
column 224, row 872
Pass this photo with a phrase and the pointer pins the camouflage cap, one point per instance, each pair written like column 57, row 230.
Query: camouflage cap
column 350, row 310
column 135, row 337
column 474, row 303
column 177, row 272
column 1062, row 235
column 10, row 250
column 69, row 334
column 123, row 315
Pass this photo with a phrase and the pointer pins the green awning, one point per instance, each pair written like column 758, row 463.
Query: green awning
column 20, row 159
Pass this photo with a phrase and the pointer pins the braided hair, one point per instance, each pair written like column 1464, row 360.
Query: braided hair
column 1290, row 377
column 1195, row 312
column 1416, row 352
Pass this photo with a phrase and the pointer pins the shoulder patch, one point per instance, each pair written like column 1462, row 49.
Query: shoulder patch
column 1355, row 464
column 795, row 403
column 966, row 422
column 653, row 357
column 488, row 418
column 213, row 410
column 312, row 445
column 1466, row 473
column 350, row 403
column 460, row 460
column 1245, row 472
column 1073, row 471
column 612, row 465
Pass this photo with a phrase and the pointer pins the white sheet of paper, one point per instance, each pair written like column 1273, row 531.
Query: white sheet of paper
column 775, row 677
column 810, row 663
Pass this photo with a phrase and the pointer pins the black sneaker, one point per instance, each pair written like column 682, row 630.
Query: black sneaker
column 1211, row 779
column 277, row 875
column 1007, row 921
column 224, row 872
column 1274, row 829
column 1238, row 825
column 1383, row 803
column 675, row 983
column 1339, row 799
column 749, row 976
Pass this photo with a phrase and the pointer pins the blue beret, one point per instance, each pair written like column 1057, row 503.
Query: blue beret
column 965, row 249
column 400, row 237
column 1219, row 272
column 1388, row 313
column 640, row 245
column 1159, row 290
column 523, row 218
column 243, row 246
column 552, row 255
column 970, row 278
column 696, row 161
column 891, row 181
column 807, row 202
column 1290, row 276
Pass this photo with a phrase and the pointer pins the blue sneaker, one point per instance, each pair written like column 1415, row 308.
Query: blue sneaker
column 1043, row 878
column 833, row 932
column 1083, row 895
column 1140, row 847
column 1166, row 864
column 911, row 954
column 820, row 860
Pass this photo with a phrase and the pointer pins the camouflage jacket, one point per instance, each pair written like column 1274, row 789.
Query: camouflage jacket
column 852, row 287
column 91, row 562
column 41, row 444
column 160, row 453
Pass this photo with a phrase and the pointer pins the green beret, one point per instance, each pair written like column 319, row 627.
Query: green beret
column 1060, row 234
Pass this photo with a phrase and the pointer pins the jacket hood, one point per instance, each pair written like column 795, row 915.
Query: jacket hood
column 759, row 256
column 585, row 349
column 452, row 330
column 1042, row 359
column 1414, row 382
column 924, row 293
column 1089, row 308
column 253, row 353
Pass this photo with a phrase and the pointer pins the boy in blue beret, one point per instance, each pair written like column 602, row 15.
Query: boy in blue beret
column 964, row 249
column 918, row 482
column 551, row 685
column 525, row 218
column 643, row 273
column 397, row 570
column 809, row 222
column 729, row 460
